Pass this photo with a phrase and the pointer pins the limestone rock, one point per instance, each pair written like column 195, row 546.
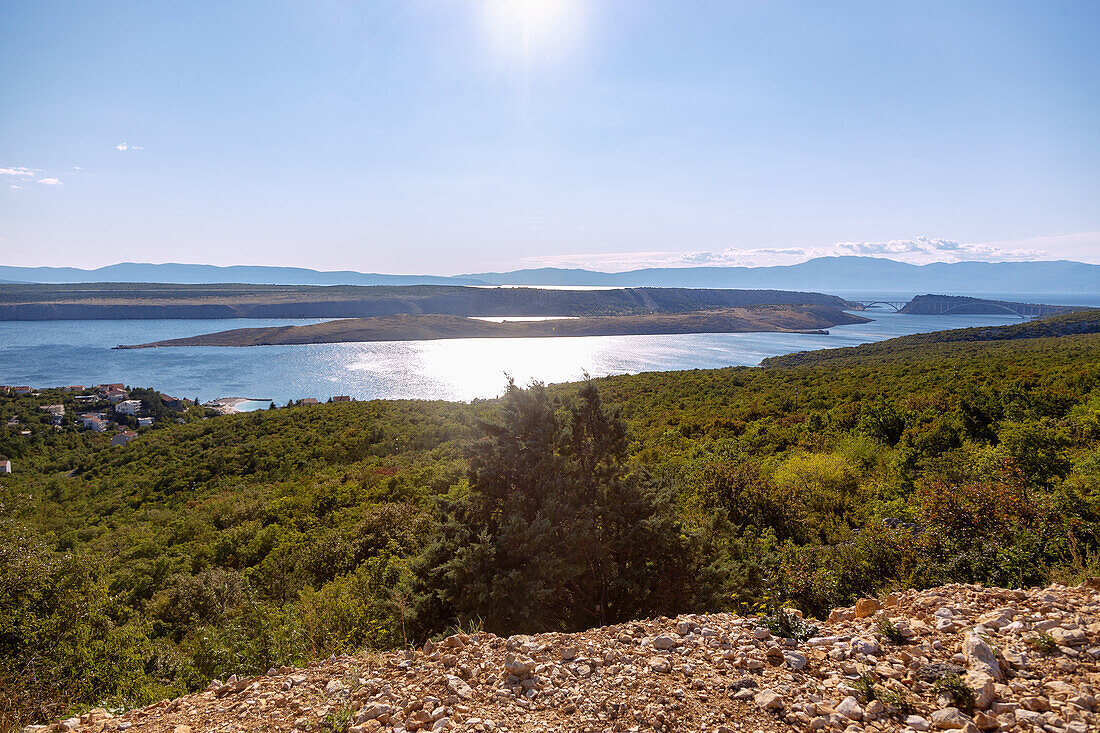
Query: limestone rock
column 664, row 642
column 849, row 708
column 659, row 664
column 984, row 689
column 980, row 657
column 866, row 607
column 768, row 700
column 917, row 723
column 459, row 687
column 949, row 719
column 1069, row 637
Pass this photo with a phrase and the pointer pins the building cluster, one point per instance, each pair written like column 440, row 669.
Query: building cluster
column 105, row 407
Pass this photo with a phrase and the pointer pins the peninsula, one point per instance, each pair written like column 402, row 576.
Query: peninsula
column 422, row 327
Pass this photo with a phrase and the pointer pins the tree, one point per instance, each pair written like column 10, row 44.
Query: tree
column 63, row 638
column 555, row 532
column 1038, row 449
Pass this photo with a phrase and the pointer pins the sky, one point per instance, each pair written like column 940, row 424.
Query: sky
column 455, row 136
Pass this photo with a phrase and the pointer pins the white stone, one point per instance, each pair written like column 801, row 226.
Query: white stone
column 664, row 642
column 980, row 657
column 865, row 646
column 916, row 722
column 984, row 690
column 459, row 687
column 795, row 660
column 949, row 719
column 849, row 708
column 769, row 700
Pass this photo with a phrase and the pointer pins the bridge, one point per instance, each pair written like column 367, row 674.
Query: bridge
column 1023, row 310
column 897, row 305
column 945, row 305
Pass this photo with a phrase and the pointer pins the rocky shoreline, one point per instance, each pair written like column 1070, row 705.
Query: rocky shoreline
column 957, row 657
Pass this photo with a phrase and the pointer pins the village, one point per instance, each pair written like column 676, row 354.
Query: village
column 119, row 412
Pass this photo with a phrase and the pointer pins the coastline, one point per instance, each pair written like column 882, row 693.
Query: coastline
column 229, row 405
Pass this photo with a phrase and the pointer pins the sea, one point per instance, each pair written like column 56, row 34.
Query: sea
column 58, row 353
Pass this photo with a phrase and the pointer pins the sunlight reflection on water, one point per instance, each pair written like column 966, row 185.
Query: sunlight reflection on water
column 78, row 352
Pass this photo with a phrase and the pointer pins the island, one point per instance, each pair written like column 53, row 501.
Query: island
column 424, row 327
column 84, row 301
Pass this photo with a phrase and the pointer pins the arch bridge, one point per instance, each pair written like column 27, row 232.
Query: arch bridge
column 1023, row 310
column 897, row 305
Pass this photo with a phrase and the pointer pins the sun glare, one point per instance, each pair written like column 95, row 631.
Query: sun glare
column 534, row 32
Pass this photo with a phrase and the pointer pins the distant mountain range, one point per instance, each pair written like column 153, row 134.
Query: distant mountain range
column 823, row 274
column 141, row 272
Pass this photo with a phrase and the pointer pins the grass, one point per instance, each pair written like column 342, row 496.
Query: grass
column 865, row 686
column 886, row 628
column 467, row 626
column 954, row 687
column 1043, row 642
column 341, row 719
column 789, row 626
column 897, row 704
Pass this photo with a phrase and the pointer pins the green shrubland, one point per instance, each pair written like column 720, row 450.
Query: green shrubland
column 233, row 544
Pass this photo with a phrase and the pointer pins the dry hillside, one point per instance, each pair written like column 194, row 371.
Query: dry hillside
column 951, row 658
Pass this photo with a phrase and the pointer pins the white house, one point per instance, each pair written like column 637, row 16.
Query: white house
column 116, row 395
column 128, row 407
column 5, row 466
column 95, row 421
column 144, row 422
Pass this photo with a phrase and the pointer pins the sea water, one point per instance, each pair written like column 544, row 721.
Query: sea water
column 56, row 353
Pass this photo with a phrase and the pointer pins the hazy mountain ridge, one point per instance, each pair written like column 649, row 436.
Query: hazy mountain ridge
column 834, row 273
column 172, row 272
column 838, row 273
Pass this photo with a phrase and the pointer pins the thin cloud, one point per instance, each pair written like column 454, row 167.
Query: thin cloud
column 19, row 172
column 127, row 146
column 922, row 250
column 917, row 251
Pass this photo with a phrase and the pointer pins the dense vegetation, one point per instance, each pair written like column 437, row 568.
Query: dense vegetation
column 236, row 543
column 1079, row 322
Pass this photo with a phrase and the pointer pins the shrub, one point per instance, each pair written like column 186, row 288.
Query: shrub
column 953, row 686
column 789, row 625
column 887, row 628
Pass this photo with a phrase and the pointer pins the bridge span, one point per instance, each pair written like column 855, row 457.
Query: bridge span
column 945, row 305
column 897, row 305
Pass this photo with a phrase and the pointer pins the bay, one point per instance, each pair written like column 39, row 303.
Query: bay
column 55, row 353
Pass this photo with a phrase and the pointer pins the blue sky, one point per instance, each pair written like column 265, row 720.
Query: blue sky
column 446, row 136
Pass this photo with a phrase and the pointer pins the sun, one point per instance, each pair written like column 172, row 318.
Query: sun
column 533, row 32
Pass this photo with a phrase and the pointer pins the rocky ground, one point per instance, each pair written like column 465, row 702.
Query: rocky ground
column 955, row 657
